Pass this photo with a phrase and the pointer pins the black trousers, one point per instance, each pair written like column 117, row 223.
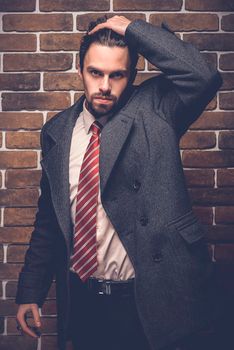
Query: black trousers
column 104, row 322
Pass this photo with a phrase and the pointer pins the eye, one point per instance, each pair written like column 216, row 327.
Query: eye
column 117, row 75
column 95, row 73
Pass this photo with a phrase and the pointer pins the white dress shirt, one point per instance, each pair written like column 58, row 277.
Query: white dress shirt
column 113, row 261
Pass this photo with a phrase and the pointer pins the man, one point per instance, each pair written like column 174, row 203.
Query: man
column 131, row 266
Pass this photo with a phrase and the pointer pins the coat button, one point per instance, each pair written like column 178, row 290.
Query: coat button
column 136, row 185
column 144, row 220
column 157, row 257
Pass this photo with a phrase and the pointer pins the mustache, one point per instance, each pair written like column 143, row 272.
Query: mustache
column 104, row 97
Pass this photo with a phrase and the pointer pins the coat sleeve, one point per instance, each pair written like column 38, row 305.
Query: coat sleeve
column 37, row 273
column 189, row 83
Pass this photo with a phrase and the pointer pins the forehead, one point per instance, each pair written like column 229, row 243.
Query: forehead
column 107, row 58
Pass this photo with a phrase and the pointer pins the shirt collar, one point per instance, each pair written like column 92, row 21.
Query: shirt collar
column 88, row 118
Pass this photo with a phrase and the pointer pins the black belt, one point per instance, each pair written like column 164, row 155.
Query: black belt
column 110, row 287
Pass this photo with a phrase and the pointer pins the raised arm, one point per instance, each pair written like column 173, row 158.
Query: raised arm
column 189, row 84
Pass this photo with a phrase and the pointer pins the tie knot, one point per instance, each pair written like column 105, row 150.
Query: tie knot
column 96, row 128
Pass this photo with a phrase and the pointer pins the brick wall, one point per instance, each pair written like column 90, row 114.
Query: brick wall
column 39, row 41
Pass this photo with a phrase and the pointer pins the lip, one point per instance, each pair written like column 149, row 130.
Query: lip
column 103, row 100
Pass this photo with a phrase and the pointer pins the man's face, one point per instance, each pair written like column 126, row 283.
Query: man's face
column 105, row 76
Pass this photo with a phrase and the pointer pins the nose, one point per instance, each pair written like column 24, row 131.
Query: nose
column 105, row 86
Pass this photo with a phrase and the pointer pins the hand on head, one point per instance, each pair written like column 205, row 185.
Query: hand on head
column 117, row 23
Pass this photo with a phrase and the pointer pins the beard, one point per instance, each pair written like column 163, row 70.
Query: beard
column 99, row 109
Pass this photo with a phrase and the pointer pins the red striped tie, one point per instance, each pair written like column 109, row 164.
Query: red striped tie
column 84, row 258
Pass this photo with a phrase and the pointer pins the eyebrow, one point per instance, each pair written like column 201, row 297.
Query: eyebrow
column 115, row 71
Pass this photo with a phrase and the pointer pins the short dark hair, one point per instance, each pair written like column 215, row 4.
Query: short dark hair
column 105, row 37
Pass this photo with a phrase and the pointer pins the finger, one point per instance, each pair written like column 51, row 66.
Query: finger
column 36, row 316
column 21, row 320
column 98, row 27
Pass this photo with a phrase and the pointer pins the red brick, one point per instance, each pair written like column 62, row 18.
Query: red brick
column 208, row 159
column 214, row 121
column 199, row 177
column 198, row 140
column 19, row 159
column 35, row 101
column 226, row 61
column 226, row 139
column 52, row 291
column 187, row 21
column 227, row 22
column 211, row 5
column 29, row 140
column 11, row 288
column 62, row 81
column 83, row 20
column 1, row 253
column 37, row 22
column 228, row 81
column 74, row 5
column 20, row 81
column 56, row 42
column 225, row 177
column 142, row 77
column 0, row 139
column 15, row 234
column 224, row 253
column 19, row 216
column 37, row 62
column 212, row 105
column 19, row 197
column 220, row 233
column 18, row 342
column 224, row 215
column 10, row 271
column 77, row 96
column 16, row 253
column 204, row 214
column 147, row 5
column 226, row 100
column 50, row 115
column 8, row 307
column 211, row 58
column 17, row 5
column 18, row 42
column 212, row 196
column 15, row 121
column 211, row 42
column 22, row 178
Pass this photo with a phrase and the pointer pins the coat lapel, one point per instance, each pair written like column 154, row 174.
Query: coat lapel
column 56, row 166
column 56, row 161
column 113, row 137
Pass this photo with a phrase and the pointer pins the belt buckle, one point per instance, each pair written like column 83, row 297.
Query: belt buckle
column 106, row 288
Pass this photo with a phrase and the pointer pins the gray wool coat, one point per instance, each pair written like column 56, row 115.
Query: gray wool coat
column 143, row 192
